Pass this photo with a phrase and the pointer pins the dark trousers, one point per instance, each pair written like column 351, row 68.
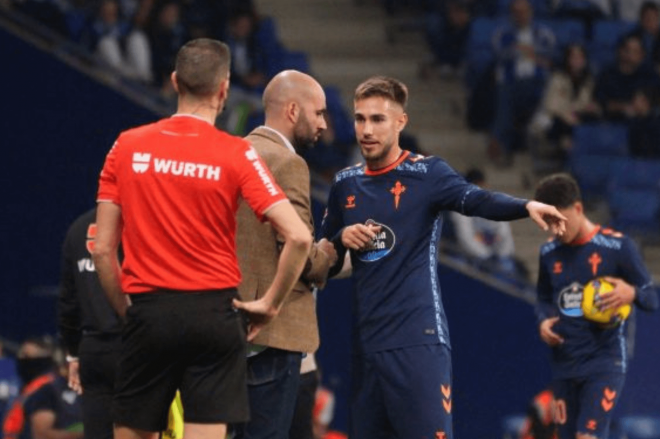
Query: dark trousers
column 273, row 378
column 98, row 367
column 301, row 426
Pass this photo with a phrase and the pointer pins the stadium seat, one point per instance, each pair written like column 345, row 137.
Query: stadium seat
column 636, row 174
column 479, row 51
column 605, row 37
column 566, row 32
column 597, row 151
column 604, row 139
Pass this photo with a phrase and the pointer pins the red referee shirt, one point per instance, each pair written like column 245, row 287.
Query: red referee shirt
column 178, row 182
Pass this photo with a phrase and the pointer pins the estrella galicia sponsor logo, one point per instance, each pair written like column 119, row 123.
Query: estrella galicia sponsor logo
column 570, row 300
column 141, row 162
column 380, row 246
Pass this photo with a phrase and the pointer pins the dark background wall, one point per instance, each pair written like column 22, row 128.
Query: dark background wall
column 57, row 124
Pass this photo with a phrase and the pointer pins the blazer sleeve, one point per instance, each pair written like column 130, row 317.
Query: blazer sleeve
column 294, row 179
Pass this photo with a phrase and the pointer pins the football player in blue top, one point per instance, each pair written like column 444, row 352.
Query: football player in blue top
column 388, row 213
column 588, row 359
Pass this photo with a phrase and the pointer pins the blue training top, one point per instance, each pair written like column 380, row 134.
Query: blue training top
column 564, row 269
column 397, row 301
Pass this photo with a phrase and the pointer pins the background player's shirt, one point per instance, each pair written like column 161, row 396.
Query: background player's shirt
column 564, row 270
column 397, row 294
column 178, row 182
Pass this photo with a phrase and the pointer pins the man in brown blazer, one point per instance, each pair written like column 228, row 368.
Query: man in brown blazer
column 295, row 109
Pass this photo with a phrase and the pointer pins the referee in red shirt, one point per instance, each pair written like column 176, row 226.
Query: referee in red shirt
column 169, row 192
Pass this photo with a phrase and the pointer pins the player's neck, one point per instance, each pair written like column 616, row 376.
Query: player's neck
column 587, row 231
column 387, row 161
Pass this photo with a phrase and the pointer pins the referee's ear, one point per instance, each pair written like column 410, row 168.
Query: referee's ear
column 174, row 82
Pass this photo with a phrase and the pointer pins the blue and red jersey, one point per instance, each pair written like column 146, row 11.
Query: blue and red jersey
column 397, row 293
column 564, row 269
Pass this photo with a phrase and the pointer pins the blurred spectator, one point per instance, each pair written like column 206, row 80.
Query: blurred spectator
column 539, row 423
column 117, row 43
column 47, row 12
column 523, row 50
column 487, row 244
column 644, row 133
column 629, row 9
column 447, row 32
column 568, row 101
column 648, row 31
column 324, row 410
column 246, row 58
column 9, row 383
column 46, row 407
column 167, row 34
column 617, row 84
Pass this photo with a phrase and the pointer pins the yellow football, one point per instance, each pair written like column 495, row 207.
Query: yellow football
column 591, row 298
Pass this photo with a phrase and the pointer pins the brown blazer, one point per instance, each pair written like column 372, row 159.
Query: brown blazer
column 258, row 248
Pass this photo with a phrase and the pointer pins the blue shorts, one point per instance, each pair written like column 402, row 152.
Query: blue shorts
column 585, row 405
column 402, row 393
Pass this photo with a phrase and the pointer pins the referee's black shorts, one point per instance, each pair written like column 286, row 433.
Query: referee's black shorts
column 192, row 341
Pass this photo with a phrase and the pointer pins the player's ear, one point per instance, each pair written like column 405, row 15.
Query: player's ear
column 401, row 121
column 579, row 207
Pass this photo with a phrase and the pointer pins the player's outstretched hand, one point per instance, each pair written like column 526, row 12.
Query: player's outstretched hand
column 359, row 236
column 547, row 217
column 260, row 313
column 622, row 294
column 547, row 334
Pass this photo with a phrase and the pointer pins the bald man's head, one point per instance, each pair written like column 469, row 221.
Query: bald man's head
column 294, row 104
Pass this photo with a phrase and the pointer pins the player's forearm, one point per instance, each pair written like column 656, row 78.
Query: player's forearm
column 495, row 206
column 646, row 297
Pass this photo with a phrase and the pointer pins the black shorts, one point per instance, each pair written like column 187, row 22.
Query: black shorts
column 192, row 341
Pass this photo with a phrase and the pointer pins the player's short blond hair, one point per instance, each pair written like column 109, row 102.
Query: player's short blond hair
column 201, row 65
column 385, row 87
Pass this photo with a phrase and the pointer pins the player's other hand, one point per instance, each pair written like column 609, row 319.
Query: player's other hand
column 359, row 236
column 260, row 313
column 74, row 377
column 622, row 294
column 547, row 217
column 328, row 248
column 547, row 334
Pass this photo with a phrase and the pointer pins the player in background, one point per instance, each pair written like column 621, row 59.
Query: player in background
column 588, row 360
column 90, row 329
column 169, row 191
column 388, row 213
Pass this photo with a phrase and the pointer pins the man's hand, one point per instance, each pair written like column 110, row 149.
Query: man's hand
column 547, row 217
column 260, row 313
column 622, row 294
column 359, row 236
column 547, row 334
column 74, row 376
column 328, row 248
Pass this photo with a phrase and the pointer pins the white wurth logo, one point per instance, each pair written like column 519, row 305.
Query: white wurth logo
column 197, row 170
column 252, row 155
column 141, row 162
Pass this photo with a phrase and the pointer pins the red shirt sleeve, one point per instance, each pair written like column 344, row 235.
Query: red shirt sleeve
column 108, row 189
column 258, row 187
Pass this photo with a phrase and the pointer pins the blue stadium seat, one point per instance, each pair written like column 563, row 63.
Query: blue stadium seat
column 634, row 197
column 600, row 139
column 479, row 52
column 597, row 151
column 566, row 32
column 604, row 39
